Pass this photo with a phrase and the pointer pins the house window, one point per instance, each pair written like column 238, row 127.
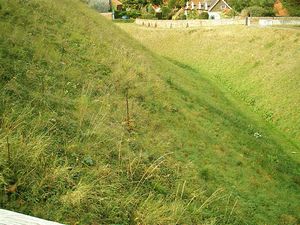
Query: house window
column 223, row 6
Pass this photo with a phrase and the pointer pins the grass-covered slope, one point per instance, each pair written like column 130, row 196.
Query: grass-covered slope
column 72, row 150
column 260, row 65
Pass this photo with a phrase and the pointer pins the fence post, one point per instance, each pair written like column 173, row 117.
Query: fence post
column 248, row 21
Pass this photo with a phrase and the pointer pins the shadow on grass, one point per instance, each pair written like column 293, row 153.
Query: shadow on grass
column 243, row 125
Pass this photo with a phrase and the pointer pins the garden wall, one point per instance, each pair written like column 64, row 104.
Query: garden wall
column 107, row 15
column 273, row 21
column 188, row 23
column 263, row 21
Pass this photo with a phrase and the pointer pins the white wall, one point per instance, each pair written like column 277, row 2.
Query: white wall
column 214, row 15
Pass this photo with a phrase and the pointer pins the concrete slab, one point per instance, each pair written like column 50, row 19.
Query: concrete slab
column 12, row 218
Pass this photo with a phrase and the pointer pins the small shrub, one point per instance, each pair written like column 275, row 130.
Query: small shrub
column 181, row 17
column 193, row 15
column 119, row 14
column 148, row 16
column 150, row 9
column 257, row 11
column 133, row 13
column 230, row 13
column 166, row 12
column 203, row 16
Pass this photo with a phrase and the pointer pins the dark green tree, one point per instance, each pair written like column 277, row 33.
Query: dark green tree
column 293, row 7
column 239, row 5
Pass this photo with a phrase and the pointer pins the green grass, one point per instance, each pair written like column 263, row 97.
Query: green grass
column 123, row 20
column 260, row 66
column 190, row 153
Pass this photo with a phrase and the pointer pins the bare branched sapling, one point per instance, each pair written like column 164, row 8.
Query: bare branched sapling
column 8, row 151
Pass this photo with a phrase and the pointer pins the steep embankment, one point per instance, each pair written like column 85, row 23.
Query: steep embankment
column 69, row 152
column 261, row 66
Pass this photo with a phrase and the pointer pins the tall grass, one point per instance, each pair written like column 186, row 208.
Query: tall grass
column 260, row 66
column 220, row 58
column 66, row 150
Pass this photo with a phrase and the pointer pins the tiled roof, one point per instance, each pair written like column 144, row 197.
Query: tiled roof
column 196, row 3
column 210, row 4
